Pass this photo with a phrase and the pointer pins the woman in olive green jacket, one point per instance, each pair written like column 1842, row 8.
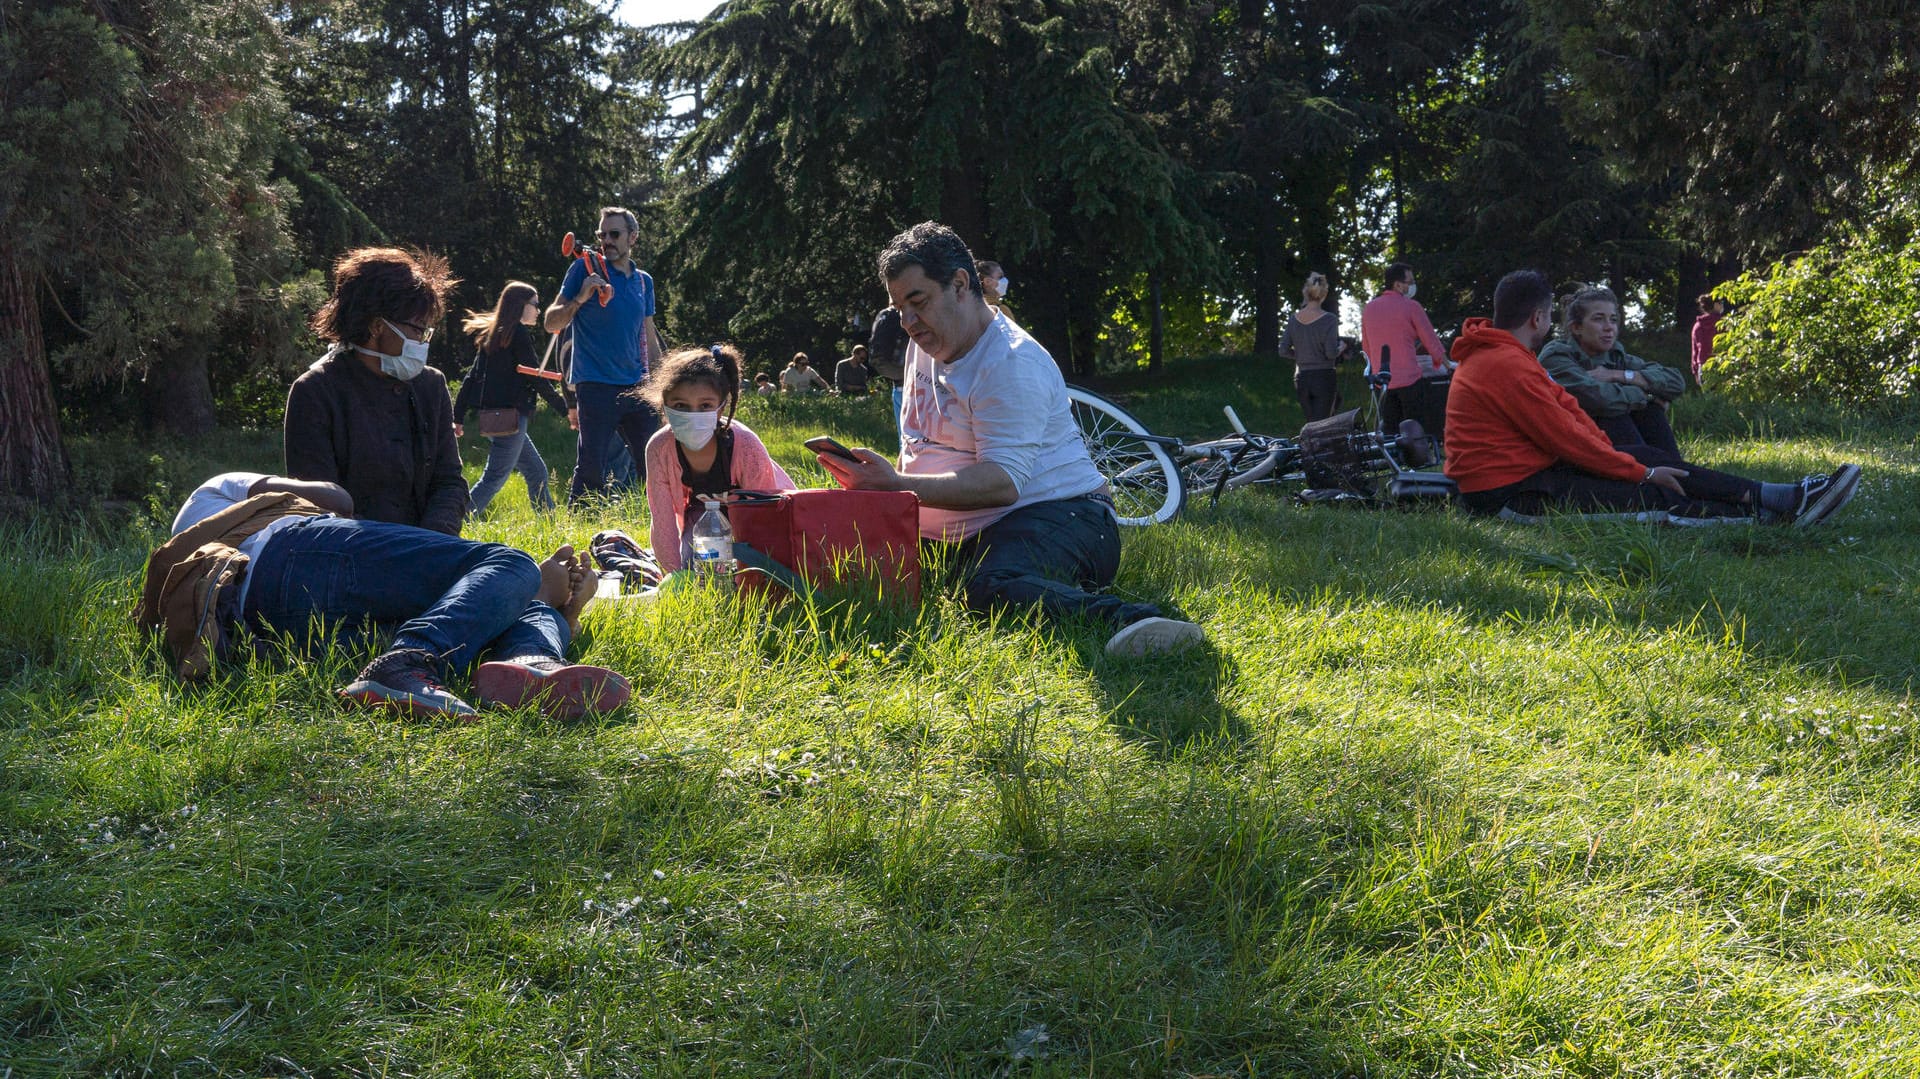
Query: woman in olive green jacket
column 1626, row 395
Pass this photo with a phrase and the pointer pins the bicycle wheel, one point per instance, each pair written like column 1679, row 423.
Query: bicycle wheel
column 1145, row 485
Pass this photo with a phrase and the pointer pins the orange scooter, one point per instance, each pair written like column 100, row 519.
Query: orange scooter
column 596, row 264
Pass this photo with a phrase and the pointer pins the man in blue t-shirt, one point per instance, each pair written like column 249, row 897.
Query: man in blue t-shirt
column 611, row 347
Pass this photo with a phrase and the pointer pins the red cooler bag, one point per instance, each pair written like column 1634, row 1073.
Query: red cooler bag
column 870, row 539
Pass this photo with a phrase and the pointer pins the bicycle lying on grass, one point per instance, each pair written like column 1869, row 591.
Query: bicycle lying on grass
column 1150, row 476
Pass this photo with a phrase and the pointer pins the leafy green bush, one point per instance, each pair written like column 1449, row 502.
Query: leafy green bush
column 1835, row 324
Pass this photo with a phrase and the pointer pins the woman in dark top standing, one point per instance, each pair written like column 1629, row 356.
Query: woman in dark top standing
column 505, row 344
column 1312, row 342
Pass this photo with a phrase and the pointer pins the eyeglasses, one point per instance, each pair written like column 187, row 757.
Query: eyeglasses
column 420, row 333
column 612, row 234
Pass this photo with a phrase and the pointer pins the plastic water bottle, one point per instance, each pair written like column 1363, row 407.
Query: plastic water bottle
column 712, row 544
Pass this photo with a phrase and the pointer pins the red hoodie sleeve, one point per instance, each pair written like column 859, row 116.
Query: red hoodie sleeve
column 1551, row 419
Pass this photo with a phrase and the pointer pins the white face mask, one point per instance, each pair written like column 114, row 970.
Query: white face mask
column 692, row 429
column 1004, row 286
column 407, row 366
column 1411, row 289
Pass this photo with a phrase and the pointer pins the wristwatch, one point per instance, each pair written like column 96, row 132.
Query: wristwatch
column 1628, row 377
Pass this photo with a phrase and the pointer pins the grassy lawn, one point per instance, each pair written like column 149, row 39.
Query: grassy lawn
column 1441, row 797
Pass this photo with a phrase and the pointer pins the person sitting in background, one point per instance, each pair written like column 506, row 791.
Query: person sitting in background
column 764, row 385
column 504, row 344
column 1312, row 341
column 1627, row 398
column 1393, row 324
column 1626, row 395
column 1519, row 443
column 850, row 375
column 1704, row 329
column 268, row 551
column 370, row 415
column 800, row 377
column 703, row 452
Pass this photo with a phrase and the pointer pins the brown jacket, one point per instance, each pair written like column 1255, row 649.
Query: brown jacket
column 389, row 443
column 190, row 575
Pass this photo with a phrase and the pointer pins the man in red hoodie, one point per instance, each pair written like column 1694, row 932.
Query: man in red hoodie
column 1517, row 443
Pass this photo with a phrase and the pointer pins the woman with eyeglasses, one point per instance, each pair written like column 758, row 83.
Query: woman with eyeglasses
column 370, row 415
column 503, row 339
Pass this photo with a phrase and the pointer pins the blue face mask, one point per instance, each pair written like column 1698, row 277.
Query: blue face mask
column 408, row 364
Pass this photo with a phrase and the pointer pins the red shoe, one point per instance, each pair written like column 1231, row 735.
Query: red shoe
column 560, row 690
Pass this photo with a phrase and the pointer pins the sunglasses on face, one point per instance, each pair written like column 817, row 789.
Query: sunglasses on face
column 612, row 234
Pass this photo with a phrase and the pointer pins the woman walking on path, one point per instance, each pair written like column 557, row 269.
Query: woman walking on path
column 505, row 397
column 1312, row 342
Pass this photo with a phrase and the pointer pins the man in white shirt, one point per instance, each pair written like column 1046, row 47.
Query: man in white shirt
column 989, row 445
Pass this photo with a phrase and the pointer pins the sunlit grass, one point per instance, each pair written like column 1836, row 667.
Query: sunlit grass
column 1441, row 796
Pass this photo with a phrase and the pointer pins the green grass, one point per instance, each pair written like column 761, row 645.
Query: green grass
column 1441, row 797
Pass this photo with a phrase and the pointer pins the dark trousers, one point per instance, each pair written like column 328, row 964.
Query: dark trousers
column 608, row 411
column 1425, row 400
column 1564, row 487
column 1048, row 555
column 1317, row 393
column 1646, row 436
column 437, row 593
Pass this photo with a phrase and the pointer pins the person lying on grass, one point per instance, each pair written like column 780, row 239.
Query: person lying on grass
column 1519, row 444
column 990, row 447
column 703, row 452
column 1628, row 397
column 286, row 558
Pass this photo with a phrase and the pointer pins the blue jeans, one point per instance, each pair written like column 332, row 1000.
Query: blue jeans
column 1048, row 555
column 509, row 454
column 898, row 399
column 608, row 411
column 437, row 593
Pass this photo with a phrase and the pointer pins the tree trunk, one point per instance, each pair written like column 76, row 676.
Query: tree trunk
column 33, row 461
column 1157, row 320
column 178, row 391
column 1690, row 281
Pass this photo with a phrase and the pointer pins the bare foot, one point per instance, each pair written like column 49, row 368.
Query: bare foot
column 585, row 583
column 556, row 578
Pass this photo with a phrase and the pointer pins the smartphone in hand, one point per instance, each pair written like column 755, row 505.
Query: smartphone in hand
column 825, row 444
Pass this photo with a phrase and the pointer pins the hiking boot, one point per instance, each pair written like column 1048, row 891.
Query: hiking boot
column 1154, row 636
column 559, row 689
column 1822, row 496
column 406, row 681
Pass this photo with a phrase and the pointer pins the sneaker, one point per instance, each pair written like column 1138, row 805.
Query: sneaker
column 561, row 690
column 1822, row 496
column 406, row 681
column 1154, row 636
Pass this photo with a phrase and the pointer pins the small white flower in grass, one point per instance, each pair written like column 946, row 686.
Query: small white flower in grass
column 659, row 875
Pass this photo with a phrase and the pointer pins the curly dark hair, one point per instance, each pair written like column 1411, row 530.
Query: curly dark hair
column 936, row 249
column 371, row 283
column 717, row 367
